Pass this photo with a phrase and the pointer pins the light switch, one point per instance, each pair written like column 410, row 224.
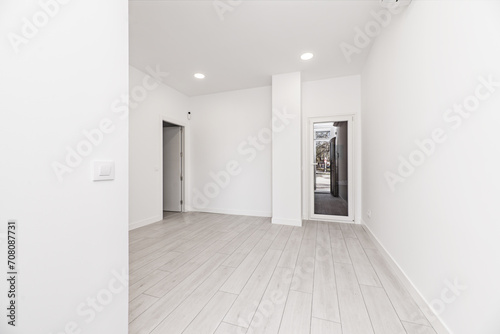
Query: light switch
column 103, row 170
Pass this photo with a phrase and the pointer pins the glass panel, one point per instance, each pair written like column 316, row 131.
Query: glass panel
column 330, row 174
column 322, row 134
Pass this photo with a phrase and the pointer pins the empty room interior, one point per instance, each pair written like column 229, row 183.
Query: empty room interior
column 246, row 167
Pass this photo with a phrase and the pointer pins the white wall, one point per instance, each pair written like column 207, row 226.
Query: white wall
column 220, row 124
column 230, row 128
column 146, row 115
column 73, row 232
column 332, row 97
column 287, row 155
column 441, row 223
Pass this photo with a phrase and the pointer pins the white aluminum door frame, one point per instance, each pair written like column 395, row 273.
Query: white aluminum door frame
column 350, row 168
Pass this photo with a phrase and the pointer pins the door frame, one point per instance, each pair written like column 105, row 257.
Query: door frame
column 350, row 168
column 182, row 126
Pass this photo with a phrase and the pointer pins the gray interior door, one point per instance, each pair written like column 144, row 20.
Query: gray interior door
column 172, row 169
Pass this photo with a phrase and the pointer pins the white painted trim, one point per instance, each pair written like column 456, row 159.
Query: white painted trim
column 351, row 218
column 144, row 222
column 333, row 219
column 172, row 120
column 289, row 222
column 433, row 318
column 234, row 212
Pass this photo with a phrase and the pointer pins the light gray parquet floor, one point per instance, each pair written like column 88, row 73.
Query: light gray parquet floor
column 202, row 273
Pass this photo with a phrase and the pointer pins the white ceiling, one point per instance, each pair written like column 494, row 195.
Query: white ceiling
column 254, row 41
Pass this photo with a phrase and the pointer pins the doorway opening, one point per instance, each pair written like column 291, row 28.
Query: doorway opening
column 173, row 167
column 331, row 195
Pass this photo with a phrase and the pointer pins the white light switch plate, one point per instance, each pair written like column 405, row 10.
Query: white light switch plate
column 103, row 170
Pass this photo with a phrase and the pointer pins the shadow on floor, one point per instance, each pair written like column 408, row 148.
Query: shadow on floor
column 326, row 204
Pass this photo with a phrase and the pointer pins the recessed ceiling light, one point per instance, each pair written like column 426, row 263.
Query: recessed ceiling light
column 199, row 76
column 306, row 56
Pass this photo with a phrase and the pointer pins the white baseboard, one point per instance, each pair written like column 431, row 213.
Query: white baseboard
column 289, row 222
column 433, row 318
column 141, row 223
column 233, row 212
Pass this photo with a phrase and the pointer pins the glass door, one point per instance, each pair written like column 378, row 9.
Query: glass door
column 331, row 195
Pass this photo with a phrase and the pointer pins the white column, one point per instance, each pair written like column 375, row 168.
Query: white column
column 286, row 170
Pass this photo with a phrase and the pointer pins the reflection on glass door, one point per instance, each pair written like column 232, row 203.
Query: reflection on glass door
column 331, row 168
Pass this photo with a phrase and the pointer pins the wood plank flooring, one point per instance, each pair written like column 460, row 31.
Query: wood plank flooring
column 209, row 273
